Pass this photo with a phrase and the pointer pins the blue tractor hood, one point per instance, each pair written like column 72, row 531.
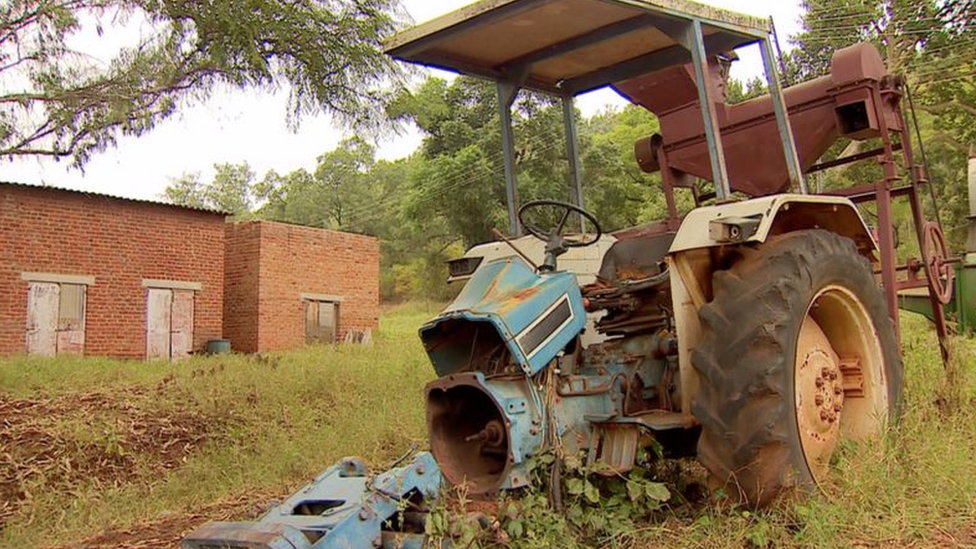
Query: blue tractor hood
column 506, row 305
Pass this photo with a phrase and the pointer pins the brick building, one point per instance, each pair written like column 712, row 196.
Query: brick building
column 91, row 274
column 83, row 273
column 287, row 284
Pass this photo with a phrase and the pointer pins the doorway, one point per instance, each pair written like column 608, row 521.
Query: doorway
column 169, row 323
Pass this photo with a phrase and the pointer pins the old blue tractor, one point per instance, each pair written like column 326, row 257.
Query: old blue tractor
column 750, row 332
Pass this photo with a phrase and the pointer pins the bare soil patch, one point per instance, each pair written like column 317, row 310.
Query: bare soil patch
column 38, row 452
column 167, row 532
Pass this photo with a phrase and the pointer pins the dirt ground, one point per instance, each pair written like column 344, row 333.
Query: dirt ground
column 43, row 451
column 167, row 532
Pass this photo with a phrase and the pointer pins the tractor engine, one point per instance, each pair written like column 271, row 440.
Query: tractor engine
column 514, row 380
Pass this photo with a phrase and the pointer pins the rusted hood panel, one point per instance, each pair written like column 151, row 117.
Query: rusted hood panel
column 535, row 315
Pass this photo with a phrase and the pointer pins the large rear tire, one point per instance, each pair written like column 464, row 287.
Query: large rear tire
column 797, row 352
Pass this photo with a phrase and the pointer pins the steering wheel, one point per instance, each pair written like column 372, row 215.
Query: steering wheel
column 554, row 236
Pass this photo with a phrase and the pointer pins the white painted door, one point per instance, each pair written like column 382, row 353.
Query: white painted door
column 42, row 318
column 181, row 329
column 71, row 319
column 159, row 314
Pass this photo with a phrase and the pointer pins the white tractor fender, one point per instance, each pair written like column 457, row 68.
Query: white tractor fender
column 749, row 221
column 757, row 219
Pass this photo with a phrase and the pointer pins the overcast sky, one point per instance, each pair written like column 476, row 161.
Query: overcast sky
column 237, row 126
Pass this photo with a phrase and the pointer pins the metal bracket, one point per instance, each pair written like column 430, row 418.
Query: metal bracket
column 733, row 229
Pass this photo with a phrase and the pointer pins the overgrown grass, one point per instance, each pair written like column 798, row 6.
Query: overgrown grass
column 914, row 488
column 276, row 421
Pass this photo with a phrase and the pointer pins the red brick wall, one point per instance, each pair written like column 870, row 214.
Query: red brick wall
column 118, row 242
column 294, row 260
column 241, row 267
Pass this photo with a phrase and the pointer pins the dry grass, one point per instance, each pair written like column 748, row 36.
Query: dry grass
column 94, row 445
column 111, row 454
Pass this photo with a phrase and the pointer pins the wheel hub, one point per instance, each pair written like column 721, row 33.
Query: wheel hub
column 828, row 387
column 819, row 394
column 839, row 384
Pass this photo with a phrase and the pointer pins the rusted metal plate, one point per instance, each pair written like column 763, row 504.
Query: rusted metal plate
column 181, row 331
column 159, row 308
column 618, row 449
column 42, row 318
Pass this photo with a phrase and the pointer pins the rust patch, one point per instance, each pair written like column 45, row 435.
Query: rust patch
column 518, row 298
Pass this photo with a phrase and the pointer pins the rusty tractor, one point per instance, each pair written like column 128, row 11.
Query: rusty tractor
column 754, row 332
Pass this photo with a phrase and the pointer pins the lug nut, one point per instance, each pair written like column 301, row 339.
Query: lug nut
column 838, row 408
column 820, row 382
column 824, row 416
column 838, row 391
column 819, row 400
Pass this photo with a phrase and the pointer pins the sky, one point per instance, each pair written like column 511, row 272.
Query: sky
column 247, row 125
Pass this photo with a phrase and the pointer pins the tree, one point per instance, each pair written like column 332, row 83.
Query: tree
column 617, row 191
column 232, row 188
column 231, row 191
column 463, row 179
column 337, row 195
column 60, row 103
column 737, row 91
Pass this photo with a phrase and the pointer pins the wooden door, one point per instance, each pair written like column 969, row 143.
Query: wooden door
column 181, row 328
column 159, row 314
column 71, row 319
column 311, row 321
column 42, row 318
column 321, row 321
column 328, row 317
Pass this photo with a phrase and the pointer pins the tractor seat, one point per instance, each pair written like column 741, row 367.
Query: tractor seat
column 635, row 256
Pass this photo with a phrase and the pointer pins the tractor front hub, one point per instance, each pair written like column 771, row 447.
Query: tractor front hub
column 482, row 431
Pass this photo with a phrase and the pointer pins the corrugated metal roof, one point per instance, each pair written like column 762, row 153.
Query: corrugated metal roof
column 111, row 197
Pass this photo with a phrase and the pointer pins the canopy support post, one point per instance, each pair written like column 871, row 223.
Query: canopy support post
column 797, row 180
column 507, row 93
column 695, row 41
column 572, row 154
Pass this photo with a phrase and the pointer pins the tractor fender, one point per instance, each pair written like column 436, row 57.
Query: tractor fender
column 755, row 220
column 691, row 258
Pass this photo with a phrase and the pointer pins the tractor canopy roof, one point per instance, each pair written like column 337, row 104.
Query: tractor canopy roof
column 568, row 47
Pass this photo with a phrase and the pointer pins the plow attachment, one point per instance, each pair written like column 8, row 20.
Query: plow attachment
column 344, row 507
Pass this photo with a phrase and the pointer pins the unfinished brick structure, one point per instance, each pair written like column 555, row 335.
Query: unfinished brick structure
column 92, row 274
column 287, row 285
